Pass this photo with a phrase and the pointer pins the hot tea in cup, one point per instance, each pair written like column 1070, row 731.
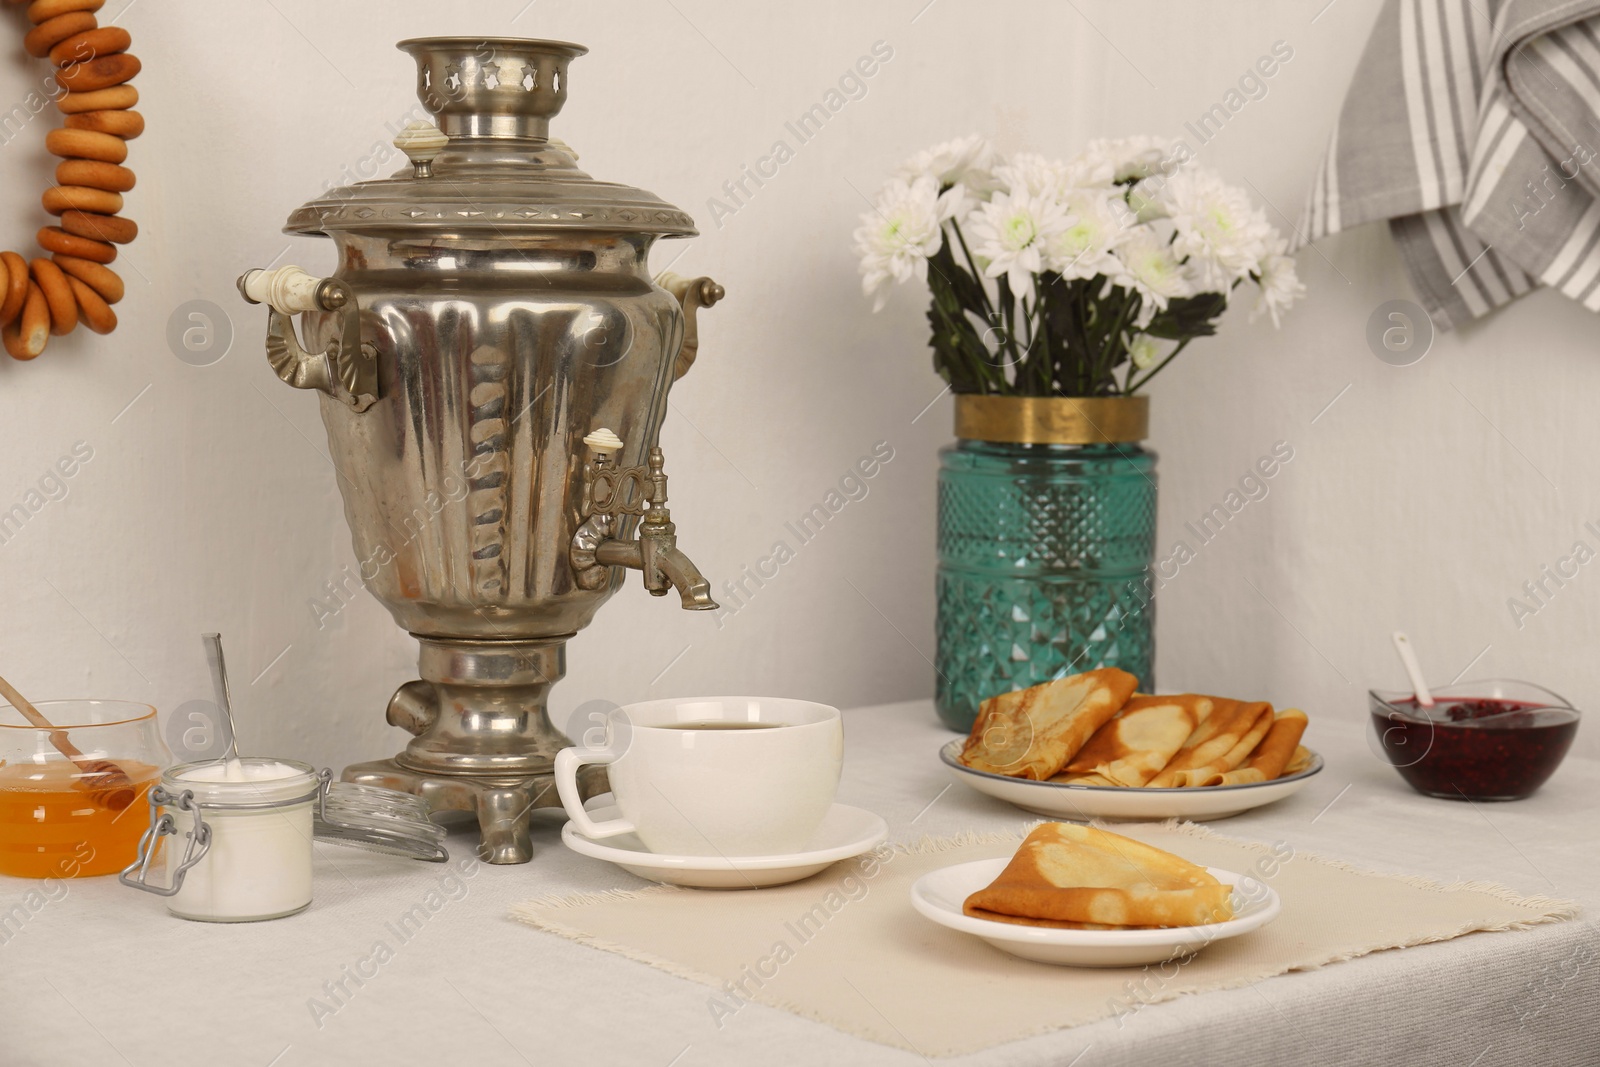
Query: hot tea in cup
column 713, row 776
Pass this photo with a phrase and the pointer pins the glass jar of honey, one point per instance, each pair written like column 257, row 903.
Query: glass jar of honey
column 67, row 817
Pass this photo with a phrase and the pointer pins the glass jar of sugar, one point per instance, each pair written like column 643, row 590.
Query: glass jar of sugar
column 241, row 834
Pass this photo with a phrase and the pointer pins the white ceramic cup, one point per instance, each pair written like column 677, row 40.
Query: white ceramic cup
column 713, row 792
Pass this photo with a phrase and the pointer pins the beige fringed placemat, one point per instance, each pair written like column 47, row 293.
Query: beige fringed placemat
column 846, row 948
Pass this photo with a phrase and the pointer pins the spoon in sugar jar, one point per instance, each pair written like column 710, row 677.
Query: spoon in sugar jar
column 234, row 769
column 360, row 816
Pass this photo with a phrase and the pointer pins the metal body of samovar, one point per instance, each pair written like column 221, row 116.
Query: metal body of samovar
column 494, row 360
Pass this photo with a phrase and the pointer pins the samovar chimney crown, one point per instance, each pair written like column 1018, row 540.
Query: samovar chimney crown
column 494, row 87
column 491, row 170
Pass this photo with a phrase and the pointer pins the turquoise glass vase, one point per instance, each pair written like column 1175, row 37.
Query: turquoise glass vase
column 1045, row 555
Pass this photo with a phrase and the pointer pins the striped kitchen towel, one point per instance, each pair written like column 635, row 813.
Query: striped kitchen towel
column 1471, row 127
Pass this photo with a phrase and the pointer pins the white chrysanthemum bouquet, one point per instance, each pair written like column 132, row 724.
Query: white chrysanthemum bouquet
column 1048, row 277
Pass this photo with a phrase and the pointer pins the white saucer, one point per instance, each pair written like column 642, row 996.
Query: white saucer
column 940, row 894
column 1085, row 802
column 845, row 832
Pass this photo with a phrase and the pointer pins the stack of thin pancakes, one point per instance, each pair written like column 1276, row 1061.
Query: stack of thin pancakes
column 1093, row 729
column 1079, row 878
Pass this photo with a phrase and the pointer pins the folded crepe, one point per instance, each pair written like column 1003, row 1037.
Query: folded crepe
column 1219, row 744
column 1299, row 761
column 1084, row 779
column 1032, row 733
column 1138, row 742
column 1272, row 756
column 1078, row 876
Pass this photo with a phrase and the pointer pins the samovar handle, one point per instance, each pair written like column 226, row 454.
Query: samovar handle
column 693, row 294
column 346, row 370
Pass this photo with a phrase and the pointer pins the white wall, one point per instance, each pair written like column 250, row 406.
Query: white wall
column 210, row 503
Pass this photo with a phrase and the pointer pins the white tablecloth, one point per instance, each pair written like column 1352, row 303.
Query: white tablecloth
column 103, row 975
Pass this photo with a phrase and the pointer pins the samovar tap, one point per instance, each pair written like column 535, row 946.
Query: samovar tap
column 681, row 572
column 609, row 491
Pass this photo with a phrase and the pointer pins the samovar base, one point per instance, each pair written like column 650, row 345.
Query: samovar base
column 504, row 805
column 483, row 739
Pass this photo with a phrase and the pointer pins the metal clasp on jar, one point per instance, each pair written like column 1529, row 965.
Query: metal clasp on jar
column 163, row 824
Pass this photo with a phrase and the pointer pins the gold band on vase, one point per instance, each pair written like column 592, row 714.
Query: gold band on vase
column 1052, row 420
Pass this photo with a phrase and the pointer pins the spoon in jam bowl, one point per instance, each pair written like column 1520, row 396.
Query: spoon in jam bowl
column 1408, row 659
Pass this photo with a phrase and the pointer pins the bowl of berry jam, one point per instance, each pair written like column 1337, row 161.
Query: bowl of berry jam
column 1489, row 740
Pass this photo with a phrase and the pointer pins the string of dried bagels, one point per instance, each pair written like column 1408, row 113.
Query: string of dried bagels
column 40, row 297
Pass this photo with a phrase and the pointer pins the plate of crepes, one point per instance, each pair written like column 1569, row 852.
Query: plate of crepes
column 1089, row 747
column 1084, row 897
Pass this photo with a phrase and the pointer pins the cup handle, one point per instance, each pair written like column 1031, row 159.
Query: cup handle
column 568, row 760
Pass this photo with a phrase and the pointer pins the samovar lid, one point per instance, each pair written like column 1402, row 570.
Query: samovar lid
column 496, row 169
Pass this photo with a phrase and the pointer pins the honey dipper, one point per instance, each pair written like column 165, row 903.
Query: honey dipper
column 107, row 784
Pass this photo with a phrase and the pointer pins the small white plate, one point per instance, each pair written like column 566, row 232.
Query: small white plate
column 845, row 832
column 1085, row 802
column 940, row 894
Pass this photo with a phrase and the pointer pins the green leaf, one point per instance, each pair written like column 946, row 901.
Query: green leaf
column 1189, row 316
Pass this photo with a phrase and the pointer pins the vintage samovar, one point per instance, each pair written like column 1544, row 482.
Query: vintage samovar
column 493, row 360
